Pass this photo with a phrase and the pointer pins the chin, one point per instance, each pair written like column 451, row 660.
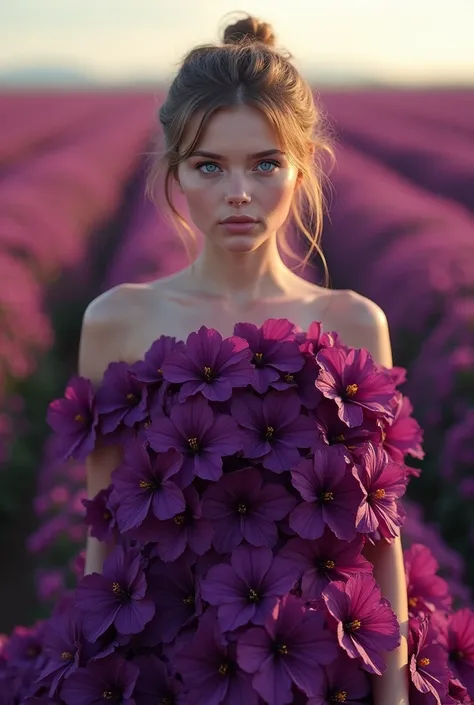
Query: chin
column 241, row 243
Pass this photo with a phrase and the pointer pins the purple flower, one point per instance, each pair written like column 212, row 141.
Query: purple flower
column 176, row 594
column 336, row 432
column 121, row 398
column 144, row 488
column 111, row 679
column 117, row 596
column 62, row 646
column 210, row 365
column 200, row 435
column 352, row 380
column 154, row 685
column 366, row 624
column 286, row 651
column 149, row 370
column 332, row 493
column 428, row 663
column 248, row 589
column 403, row 435
column 323, row 560
column 460, row 645
column 99, row 515
column 384, row 482
column 342, row 681
column 274, row 350
column 187, row 529
column 209, row 670
column 303, row 382
column 241, row 508
column 74, row 418
column 273, row 428
column 426, row 591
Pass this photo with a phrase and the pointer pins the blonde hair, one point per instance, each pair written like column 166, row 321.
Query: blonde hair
column 247, row 69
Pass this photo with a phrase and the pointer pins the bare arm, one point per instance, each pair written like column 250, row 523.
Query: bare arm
column 101, row 342
column 392, row 687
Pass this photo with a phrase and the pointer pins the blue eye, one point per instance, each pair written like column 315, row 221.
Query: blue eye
column 212, row 164
column 270, row 163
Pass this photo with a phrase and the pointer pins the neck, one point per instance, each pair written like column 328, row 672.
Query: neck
column 241, row 276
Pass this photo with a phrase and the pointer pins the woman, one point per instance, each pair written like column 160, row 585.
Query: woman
column 244, row 146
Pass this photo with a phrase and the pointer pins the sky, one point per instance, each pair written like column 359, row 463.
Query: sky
column 393, row 41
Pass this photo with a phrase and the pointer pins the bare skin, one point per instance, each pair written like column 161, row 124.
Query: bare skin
column 238, row 278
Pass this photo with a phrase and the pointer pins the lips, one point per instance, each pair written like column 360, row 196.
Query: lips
column 239, row 219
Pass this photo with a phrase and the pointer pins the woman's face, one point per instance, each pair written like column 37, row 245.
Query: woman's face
column 238, row 169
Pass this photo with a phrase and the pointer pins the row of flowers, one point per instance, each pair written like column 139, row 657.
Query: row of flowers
column 65, row 165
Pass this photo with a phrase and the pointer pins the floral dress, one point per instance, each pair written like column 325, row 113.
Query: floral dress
column 255, row 469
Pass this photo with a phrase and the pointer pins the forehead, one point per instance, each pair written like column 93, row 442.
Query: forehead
column 242, row 129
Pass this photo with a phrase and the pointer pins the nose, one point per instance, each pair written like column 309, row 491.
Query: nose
column 237, row 193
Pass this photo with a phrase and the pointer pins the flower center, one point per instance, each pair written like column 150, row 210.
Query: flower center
column 412, row 601
column 339, row 697
column 79, row 418
column 179, row 519
column 351, row 389
column 327, row 496
column 131, row 398
column 423, row 662
column 147, row 423
column 269, row 432
column 117, row 589
column 193, row 444
column 144, row 485
column 352, row 626
column 223, row 669
column 329, row 564
column 159, row 371
column 258, row 358
column 208, row 374
column 281, row 649
column 339, row 439
column 289, row 378
column 242, row 508
column 107, row 695
column 66, row 656
column 107, row 515
column 379, row 494
column 189, row 600
column 457, row 655
column 253, row 595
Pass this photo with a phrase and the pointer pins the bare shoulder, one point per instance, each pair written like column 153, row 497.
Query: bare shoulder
column 363, row 324
column 107, row 328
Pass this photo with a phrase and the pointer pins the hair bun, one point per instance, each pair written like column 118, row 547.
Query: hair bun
column 249, row 29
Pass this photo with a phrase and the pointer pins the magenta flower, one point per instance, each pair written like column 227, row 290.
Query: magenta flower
column 154, row 684
column 111, row 679
column 248, row 589
column 403, row 436
column 323, row 560
column 426, row 590
column 117, row 596
column 209, row 669
column 460, row 645
column 200, row 435
column 176, row 595
column 241, row 508
column 187, row 529
column 74, row 420
column 286, row 651
column 121, row 398
column 366, row 624
column 100, row 515
column 273, row 428
column 274, row 350
column 303, row 382
column 384, row 482
column 332, row 493
column 211, row 365
column 342, row 681
column 428, row 664
column 352, row 380
column 144, row 486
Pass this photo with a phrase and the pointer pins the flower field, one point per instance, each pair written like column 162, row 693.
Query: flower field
column 74, row 222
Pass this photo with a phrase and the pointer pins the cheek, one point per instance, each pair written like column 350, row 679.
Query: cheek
column 278, row 195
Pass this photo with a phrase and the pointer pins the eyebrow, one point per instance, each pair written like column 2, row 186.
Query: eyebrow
column 257, row 155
